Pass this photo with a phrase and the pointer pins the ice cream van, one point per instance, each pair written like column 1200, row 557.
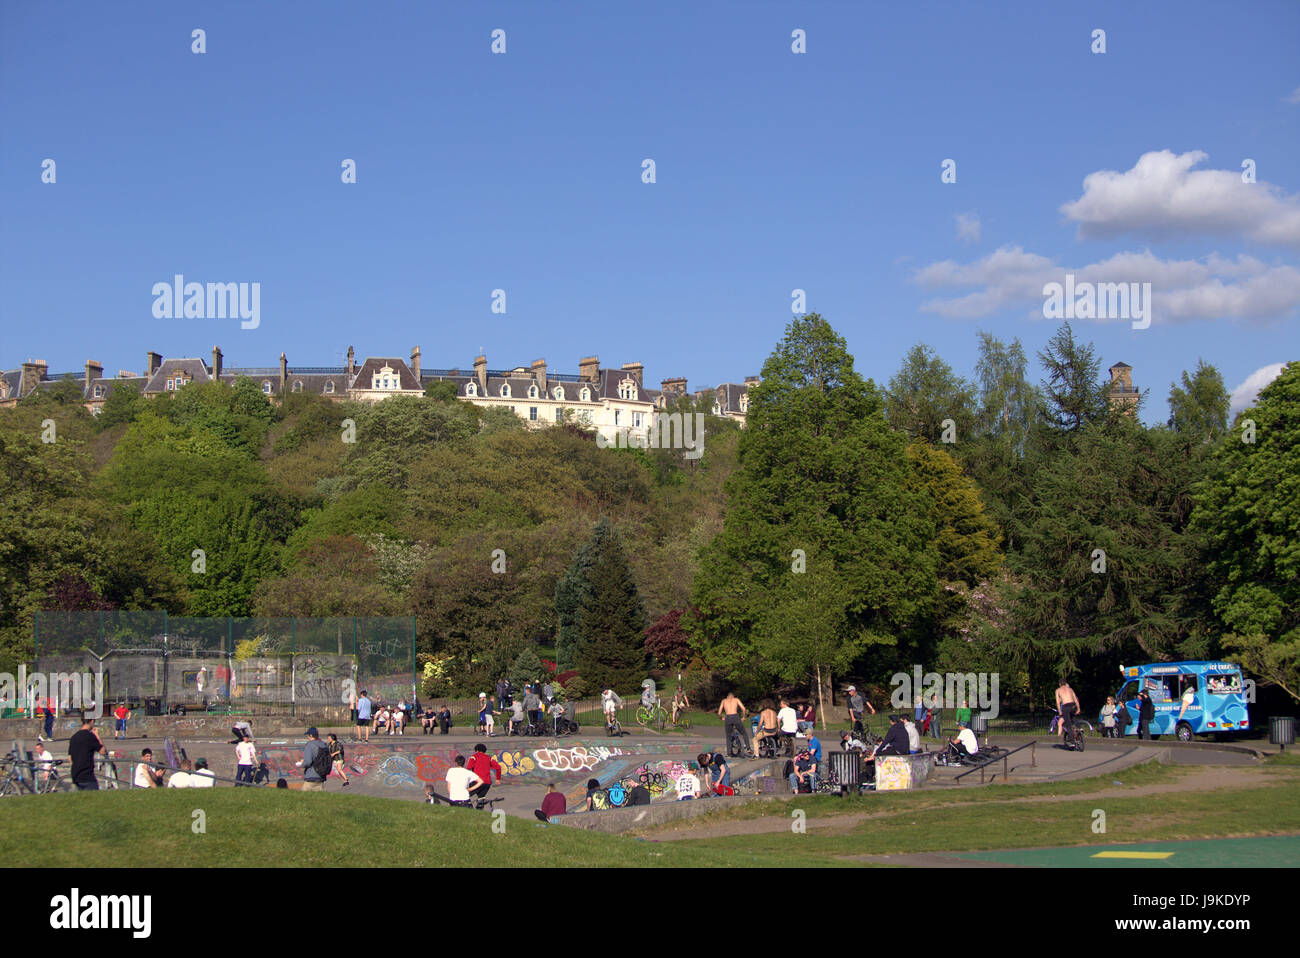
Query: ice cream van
column 1190, row 698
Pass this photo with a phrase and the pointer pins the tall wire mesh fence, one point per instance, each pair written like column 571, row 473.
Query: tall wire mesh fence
column 169, row 664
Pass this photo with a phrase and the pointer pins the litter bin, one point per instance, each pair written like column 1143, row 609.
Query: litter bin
column 846, row 770
column 153, row 706
column 1281, row 730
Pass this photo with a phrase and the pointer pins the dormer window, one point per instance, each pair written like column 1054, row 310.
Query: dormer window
column 386, row 378
column 717, row 409
column 585, row 395
column 266, row 387
column 532, row 392
column 627, row 389
column 329, row 385
column 99, row 392
column 558, row 392
column 744, row 402
column 471, row 389
column 505, row 390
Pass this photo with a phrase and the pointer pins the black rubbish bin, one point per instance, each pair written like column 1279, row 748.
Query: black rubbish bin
column 846, row 770
column 1281, row 730
column 979, row 724
column 153, row 706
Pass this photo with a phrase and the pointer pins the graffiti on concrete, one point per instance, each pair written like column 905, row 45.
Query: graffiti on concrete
column 576, row 759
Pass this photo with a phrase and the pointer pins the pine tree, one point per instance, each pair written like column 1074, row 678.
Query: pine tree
column 610, row 647
column 527, row 669
column 569, row 593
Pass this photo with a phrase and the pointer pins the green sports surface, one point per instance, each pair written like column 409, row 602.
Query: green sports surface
column 1276, row 852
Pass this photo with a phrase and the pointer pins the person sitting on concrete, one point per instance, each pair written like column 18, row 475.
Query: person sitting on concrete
column 913, row 735
column 804, row 770
column 593, row 786
column 850, row 742
column 553, row 805
column 895, row 741
column 427, row 721
column 182, row 778
column 444, row 720
column 964, row 745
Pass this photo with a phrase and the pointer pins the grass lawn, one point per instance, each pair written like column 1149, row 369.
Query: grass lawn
column 266, row 828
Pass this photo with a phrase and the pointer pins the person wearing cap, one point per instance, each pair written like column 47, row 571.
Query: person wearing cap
column 805, row 769
column 857, row 703
column 964, row 744
column 312, row 780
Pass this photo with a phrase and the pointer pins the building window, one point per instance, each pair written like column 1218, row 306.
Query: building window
column 559, row 414
column 532, row 414
column 297, row 385
column 636, row 420
column 627, row 389
column 617, row 414
column 171, row 384
column 744, row 402
column 505, row 391
column 329, row 385
column 559, row 393
column 470, row 390
column 386, row 378
column 266, row 387
column 585, row 395
column 99, row 392
column 532, row 392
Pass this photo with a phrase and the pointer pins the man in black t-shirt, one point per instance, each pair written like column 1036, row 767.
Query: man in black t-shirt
column 82, row 748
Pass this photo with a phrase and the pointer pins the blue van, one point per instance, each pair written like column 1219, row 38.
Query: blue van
column 1216, row 705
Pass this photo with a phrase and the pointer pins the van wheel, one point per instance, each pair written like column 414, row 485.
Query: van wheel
column 1184, row 732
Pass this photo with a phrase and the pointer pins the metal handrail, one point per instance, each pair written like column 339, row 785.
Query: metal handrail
column 1033, row 761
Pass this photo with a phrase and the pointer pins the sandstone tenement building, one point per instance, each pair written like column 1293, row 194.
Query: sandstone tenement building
column 611, row 401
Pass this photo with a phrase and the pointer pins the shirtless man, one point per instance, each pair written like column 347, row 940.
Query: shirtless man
column 767, row 725
column 733, row 714
column 1067, row 703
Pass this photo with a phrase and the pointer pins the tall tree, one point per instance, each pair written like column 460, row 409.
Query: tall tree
column 1200, row 406
column 1249, row 510
column 826, row 550
column 924, row 393
column 610, row 647
column 1073, row 392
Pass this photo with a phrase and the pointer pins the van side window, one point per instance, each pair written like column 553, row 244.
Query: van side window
column 1129, row 692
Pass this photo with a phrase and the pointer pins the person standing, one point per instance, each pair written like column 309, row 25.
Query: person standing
column 49, row 717
column 84, row 745
column 121, row 715
column 315, row 762
column 1067, row 704
column 858, row 704
column 1108, row 717
column 1146, row 713
column 245, row 762
column 732, row 710
column 503, row 702
column 936, row 718
column 913, row 735
column 963, row 714
column 336, row 758
column 533, row 706
column 788, row 719
column 483, row 765
column 364, row 708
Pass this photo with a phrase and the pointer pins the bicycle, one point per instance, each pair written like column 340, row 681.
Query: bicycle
column 683, row 720
column 651, row 715
column 1074, row 740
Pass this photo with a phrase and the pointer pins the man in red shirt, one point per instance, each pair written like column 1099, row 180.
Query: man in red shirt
column 121, row 714
column 552, row 805
column 483, row 765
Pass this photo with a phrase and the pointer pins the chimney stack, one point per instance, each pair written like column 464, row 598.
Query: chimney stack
column 589, row 369
column 94, row 370
column 673, row 388
column 352, row 364
column 284, row 373
column 539, row 375
column 636, row 369
column 753, row 380
column 216, row 362
column 33, row 371
column 152, row 361
column 480, row 373
column 415, row 363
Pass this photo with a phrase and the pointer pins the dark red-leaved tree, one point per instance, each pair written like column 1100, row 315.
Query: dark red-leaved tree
column 72, row 593
column 665, row 641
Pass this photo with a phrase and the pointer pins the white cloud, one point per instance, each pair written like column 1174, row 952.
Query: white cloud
column 968, row 227
column 1163, row 196
column 1212, row 288
column 1295, row 96
column 1244, row 396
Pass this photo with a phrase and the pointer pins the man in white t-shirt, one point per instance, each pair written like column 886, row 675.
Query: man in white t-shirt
column 145, row 776
column 245, row 761
column 460, row 781
column 965, row 744
column 788, row 719
column 688, row 786
column 183, row 777
column 201, row 777
column 913, row 734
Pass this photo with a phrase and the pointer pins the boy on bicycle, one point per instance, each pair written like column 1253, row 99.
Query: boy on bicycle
column 610, row 701
column 680, row 704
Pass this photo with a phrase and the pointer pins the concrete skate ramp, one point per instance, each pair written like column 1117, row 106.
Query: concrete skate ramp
column 400, row 767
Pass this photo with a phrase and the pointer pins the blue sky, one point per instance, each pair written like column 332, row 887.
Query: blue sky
column 774, row 171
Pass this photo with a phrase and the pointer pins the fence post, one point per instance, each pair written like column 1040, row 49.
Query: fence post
column 414, row 680
column 293, row 667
